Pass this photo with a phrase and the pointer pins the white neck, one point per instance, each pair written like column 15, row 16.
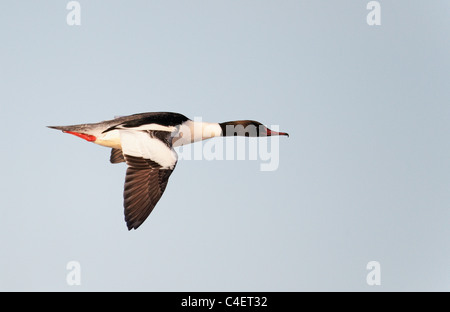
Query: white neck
column 194, row 131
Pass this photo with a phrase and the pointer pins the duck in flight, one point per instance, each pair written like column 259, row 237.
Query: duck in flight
column 146, row 143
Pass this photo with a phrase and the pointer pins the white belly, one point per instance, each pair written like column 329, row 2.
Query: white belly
column 110, row 139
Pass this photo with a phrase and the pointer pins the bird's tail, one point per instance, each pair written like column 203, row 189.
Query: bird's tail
column 89, row 132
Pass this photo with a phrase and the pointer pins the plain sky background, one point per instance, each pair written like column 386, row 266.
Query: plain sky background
column 365, row 174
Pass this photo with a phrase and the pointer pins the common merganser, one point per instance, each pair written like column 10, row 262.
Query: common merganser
column 145, row 142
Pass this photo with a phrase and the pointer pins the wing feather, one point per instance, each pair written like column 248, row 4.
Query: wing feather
column 150, row 162
column 116, row 156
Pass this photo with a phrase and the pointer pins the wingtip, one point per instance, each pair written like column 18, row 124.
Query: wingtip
column 133, row 225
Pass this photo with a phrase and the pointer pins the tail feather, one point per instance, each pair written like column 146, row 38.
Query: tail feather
column 89, row 129
column 74, row 128
column 62, row 128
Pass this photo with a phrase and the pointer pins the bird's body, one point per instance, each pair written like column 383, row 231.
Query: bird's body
column 145, row 142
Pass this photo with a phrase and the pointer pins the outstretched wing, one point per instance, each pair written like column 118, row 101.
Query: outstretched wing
column 116, row 156
column 151, row 160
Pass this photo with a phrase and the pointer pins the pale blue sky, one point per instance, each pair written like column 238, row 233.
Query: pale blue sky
column 365, row 174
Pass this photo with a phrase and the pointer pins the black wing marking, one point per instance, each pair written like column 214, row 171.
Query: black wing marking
column 161, row 118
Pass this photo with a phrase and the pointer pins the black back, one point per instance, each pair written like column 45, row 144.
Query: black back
column 161, row 118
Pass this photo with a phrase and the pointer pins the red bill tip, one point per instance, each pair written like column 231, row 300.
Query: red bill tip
column 87, row 137
column 271, row 133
